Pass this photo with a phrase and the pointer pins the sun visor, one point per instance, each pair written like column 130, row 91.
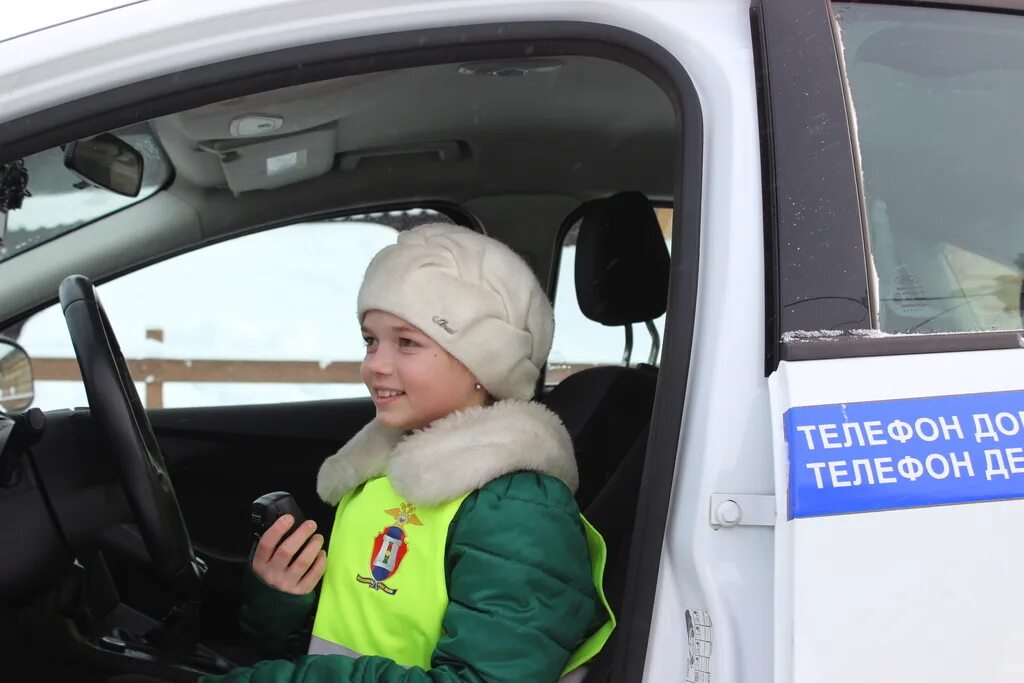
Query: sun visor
column 276, row 162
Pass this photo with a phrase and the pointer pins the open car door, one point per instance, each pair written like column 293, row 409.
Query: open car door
column 895, row 360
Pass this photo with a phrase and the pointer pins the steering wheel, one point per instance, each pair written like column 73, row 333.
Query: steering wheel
column 117, row 410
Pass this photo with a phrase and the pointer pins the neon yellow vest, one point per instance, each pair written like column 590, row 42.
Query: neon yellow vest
column 384, row 592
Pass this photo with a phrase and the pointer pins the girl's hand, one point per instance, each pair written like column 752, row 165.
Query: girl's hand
column 279, row 566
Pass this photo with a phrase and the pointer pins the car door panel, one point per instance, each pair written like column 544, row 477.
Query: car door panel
column 885, row 556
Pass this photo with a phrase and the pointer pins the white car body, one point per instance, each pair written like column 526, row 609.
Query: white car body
column 929, row 594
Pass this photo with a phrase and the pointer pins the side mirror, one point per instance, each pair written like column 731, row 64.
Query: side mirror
column 107, row 161
column 16, row 382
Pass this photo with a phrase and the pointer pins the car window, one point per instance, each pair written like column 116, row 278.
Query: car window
column 268, row 317
column 581, row 343
column 937, row 96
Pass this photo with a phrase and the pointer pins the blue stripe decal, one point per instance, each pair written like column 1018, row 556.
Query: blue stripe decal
column 887, row 455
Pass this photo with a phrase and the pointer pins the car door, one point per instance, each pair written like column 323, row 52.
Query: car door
column 894, row 340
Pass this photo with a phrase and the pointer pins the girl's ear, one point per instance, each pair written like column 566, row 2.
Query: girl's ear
column 488, row 399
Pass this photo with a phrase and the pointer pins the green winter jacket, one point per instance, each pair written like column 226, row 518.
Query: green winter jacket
column 520, row 585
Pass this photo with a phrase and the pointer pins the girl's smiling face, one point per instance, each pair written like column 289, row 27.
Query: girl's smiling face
column 412, row 380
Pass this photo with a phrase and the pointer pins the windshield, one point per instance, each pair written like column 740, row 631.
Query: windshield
column 60, row 201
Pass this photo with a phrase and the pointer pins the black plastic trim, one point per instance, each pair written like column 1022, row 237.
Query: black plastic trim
column 1002, row 6
column 900, row 345
column 813, row 218
column 195, row 87
column 772, row 325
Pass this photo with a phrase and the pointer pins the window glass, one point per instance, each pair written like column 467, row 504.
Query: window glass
column 264, row 318
column 59, row 200
column 937, row 97
column 579, row 342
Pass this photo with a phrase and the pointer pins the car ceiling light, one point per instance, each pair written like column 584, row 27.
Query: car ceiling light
column 252, row 125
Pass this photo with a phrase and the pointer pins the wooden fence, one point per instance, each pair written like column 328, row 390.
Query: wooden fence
column 155, row 372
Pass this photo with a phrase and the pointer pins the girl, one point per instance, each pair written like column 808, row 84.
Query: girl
column 458, row 553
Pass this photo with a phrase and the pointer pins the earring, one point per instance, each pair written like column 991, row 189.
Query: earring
column 478, row 386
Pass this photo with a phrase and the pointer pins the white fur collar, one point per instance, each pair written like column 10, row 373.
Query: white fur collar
column 454, row 455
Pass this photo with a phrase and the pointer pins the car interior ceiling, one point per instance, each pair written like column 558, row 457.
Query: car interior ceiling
column 526, row 148
column 487, row 143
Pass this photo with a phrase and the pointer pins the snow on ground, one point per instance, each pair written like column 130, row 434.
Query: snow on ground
column 284, row 294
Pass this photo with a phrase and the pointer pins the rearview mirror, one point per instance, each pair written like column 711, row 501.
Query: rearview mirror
column 16, row 383
column 107, row 161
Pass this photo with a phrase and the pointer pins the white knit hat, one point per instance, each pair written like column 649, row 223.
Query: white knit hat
column 472, row 295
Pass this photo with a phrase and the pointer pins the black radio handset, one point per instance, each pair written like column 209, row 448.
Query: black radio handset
column 269, row 507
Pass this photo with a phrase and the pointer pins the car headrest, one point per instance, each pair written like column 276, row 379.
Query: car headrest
column 622, row 262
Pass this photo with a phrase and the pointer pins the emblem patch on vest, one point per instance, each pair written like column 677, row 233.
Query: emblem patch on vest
column 389, row 548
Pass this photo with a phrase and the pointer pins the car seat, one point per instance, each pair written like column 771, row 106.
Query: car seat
column 621, row 272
